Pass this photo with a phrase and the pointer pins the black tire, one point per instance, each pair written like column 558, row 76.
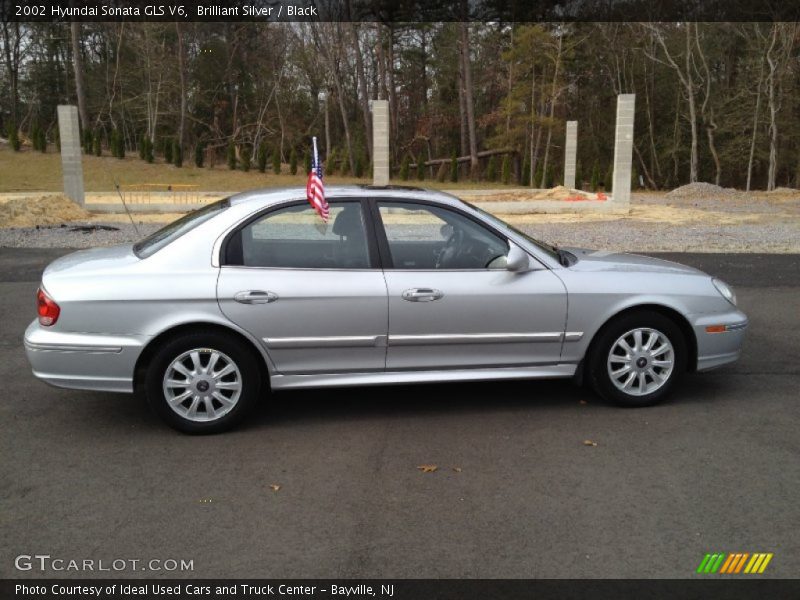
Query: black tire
column 599, row 376
column 243, row 359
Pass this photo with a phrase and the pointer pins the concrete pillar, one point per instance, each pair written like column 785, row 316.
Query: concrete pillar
column 71, row 167
column 571, row 154
column 623, row 150
column 380, row 142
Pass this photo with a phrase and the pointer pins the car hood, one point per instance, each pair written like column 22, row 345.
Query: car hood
column 95, row 261
column 604, row 260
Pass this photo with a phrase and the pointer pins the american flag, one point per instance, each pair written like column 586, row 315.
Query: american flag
column 315, row 189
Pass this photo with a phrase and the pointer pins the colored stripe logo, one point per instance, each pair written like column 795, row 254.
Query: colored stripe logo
column 735, row 563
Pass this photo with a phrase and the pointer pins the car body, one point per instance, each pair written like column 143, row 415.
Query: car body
column 403, row 285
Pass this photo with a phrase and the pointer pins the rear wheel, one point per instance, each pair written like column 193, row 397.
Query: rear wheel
column 637, row 359
column 202, row 382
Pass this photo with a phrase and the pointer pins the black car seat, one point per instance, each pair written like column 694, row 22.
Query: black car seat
column 351, row 252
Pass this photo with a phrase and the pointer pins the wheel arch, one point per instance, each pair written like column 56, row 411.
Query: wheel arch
column 668, row 312
column 149, row 350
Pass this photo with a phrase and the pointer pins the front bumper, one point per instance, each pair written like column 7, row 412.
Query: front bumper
column 83, row 361
column 724, row 344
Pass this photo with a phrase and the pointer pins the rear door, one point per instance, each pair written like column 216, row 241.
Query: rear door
column 312, row 293
column 452, row 303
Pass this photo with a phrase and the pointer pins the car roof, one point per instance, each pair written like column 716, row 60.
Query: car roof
column 271, row 195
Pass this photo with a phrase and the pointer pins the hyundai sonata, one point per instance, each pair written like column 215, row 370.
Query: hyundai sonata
column 256, row 293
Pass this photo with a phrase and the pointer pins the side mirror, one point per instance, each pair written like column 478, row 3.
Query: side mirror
column 517, row 259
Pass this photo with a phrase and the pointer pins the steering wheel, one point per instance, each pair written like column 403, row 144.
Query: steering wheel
column 451, row 249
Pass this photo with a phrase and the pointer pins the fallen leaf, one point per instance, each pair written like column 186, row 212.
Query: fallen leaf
column 589, row 443
column 274, row 487
column 457, row 469
column 582, row 402
column 427, row 468
column 205, row 500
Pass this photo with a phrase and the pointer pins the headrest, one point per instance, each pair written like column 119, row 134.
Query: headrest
column 348, row 222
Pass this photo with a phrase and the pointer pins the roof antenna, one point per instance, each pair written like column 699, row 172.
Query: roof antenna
column 116, row 185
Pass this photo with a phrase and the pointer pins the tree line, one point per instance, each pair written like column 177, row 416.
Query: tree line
column 715, row 102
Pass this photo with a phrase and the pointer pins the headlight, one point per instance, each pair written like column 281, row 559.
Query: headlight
column 726, row 290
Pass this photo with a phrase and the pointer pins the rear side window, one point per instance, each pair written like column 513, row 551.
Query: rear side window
column 296, row 238
column 164, row 236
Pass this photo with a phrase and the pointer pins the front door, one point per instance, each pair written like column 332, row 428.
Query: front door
column 311, row 293
column 452, row 304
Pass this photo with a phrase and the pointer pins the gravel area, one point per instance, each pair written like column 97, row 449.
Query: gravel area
column 619, row 234
column 64, row 237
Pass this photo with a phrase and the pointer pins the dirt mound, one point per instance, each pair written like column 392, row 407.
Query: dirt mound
column 45, row 210
column 701, row 190
column 784, row 190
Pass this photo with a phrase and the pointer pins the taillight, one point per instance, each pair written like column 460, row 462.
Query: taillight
column 48, row 309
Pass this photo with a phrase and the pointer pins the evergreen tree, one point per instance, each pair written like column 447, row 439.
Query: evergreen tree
column 143, row 147
column 293, row 162
column 261, row 157
column 526, row 173
column 307, row 162
column 42, row 141
column 361, row 160
column 506, row 171
column 96, row 143
column 608, row 182
column 87, row 141
column 149, row 155
column 245, row 155
column 344, row 163
column 199, row 154
column 168, row 150
column 420, row 169
column 276, row 160
column 578, row 176
column 13, row 137
column 35, row 135
column 537, row 177
column 331, row 163
column 491, row 169
column 177, row 153
column 404, row 168
column 231, row 156
column 595, row 181
column 454, row 167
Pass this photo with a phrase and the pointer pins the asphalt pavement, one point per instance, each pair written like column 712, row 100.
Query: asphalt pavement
column 326, row 483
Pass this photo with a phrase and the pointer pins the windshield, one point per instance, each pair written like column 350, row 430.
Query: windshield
column 166, row 235
column 551, row 250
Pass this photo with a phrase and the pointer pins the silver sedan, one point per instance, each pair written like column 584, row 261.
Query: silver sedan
column 256, row 293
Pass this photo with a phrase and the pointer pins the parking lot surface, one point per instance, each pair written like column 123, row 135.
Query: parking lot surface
column 326, row 483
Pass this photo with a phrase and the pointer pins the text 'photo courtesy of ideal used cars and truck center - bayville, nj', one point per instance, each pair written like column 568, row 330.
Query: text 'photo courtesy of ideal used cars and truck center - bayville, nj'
column 399, row 300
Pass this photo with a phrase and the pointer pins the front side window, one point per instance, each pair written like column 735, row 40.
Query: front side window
column 426, row 237
column 296, row 238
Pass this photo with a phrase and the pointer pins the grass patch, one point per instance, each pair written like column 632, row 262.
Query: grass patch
column 29, row 171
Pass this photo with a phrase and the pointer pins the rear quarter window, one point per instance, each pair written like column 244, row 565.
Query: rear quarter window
column 168, row 234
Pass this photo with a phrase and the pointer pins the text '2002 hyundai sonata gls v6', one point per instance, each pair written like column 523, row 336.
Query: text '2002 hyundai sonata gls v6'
column 402, row 285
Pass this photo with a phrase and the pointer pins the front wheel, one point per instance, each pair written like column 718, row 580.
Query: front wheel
column 638, row 359
column 202, row 382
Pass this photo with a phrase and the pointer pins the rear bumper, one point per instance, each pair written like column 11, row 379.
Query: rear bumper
column 720, row 347
column 83, row 361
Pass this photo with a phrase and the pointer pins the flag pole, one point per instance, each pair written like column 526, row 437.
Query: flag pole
column 316, row 156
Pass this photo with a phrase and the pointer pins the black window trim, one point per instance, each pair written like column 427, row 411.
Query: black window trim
column 383, row 240
column 366, row 216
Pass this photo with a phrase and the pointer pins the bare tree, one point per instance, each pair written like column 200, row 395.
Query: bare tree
column 182, row 76
column 77, row 66
column 466, row 71
column 707, row 108
column 686, row 78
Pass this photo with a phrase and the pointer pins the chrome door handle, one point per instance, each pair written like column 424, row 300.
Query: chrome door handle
column 422, row 295
column 255, row 297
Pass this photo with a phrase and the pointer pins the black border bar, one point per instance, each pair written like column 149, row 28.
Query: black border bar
column 399, row 11
column 716, row 587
